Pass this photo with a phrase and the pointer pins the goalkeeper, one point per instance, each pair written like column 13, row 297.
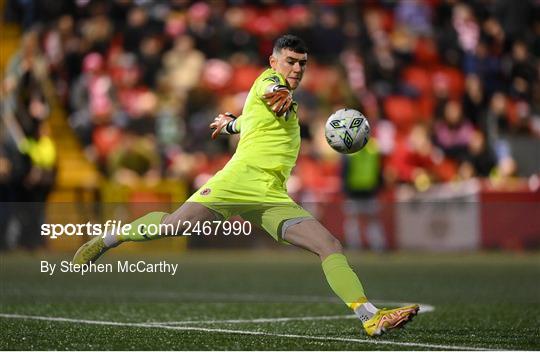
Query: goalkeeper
column 252, row 185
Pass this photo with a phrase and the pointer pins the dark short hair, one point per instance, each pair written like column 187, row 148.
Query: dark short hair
column 291, row 42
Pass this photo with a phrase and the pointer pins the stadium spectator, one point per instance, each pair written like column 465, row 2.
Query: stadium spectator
column 480, row 161
column 486, row 65
column 415, row 15
column 28, row 154
column 523, row 73
column 91, row 98
column 453, row 133
column 474, row 100
column 234, row 38
column 496, row 128
column 495, row 123
column 138, row 25
column 150, row 59
column 330, row 36
column 134, row 160
column 416, row 160
column 182, row 66
column 362, row 180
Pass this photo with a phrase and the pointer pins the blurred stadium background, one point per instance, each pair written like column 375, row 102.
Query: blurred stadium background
column 106, row 106
column 105, row 113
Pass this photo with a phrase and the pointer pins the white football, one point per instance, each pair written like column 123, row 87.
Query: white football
column 347, row 131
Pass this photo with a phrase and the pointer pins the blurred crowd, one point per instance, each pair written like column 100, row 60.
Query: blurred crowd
column 444, row 83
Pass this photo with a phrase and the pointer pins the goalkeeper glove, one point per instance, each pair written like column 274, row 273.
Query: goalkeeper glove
column 224, row 124
column 279, row 99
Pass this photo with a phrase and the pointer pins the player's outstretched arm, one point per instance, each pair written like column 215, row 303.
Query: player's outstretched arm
column 279, row 98
column 224, row 124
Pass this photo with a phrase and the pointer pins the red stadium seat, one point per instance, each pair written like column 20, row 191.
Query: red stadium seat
column 511, row 112
column 418, row 78
column 452, row 78
column 244, row 76
column 426, row 107
column 517, row 111
column 401, row 111
column 425, row 52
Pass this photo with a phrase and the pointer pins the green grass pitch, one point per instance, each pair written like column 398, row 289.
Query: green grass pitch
column 269, row 300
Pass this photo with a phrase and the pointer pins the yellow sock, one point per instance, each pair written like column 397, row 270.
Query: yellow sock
column 343, row 281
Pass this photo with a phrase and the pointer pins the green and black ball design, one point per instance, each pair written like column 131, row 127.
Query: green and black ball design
column 347, row 131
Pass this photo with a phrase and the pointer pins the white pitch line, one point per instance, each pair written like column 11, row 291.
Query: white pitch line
column 241, row 332
column 424, row 308
column 255, row 320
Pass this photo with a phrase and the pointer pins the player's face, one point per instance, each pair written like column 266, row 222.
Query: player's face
column 291, row 65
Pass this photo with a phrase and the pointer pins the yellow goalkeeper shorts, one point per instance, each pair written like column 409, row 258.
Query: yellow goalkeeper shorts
column 256, row 196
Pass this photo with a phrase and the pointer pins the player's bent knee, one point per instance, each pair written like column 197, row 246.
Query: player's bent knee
column 337, row 246
column 311, row 235
column 331, row 246
column 168, row 224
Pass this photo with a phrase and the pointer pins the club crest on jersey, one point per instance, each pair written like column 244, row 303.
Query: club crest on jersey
column 205, row 192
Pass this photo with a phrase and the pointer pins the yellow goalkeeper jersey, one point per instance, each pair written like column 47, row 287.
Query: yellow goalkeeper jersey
column 267, row 141
column 266, row 153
